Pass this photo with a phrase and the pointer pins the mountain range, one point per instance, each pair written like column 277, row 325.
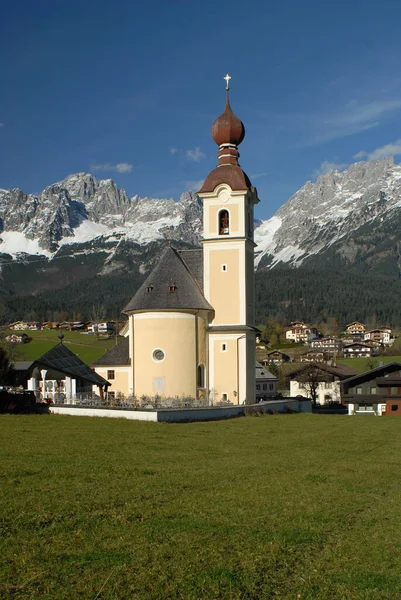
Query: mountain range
column 84, row 229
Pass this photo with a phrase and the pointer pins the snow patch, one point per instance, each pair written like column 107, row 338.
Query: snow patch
column 85, row 232
column 15, row 242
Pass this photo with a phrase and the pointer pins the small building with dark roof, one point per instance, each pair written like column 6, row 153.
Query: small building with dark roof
column 59, row 375
column 266, row 383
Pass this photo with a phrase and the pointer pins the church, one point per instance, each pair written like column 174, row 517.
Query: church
column 191, row 325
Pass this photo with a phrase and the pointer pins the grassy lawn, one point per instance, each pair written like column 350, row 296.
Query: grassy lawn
column 292, row 507
column 365, row 364
column 87, row 347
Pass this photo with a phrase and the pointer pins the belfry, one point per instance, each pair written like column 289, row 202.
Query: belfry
column 191, row 328
column 228, row 264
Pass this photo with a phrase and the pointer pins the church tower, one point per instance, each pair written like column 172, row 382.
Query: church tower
column 228, row 258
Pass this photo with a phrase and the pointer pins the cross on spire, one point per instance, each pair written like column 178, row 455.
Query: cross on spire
column 227, row 78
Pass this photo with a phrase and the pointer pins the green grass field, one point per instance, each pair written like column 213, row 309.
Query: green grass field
column 292, row 507
column 87, row 347
column 365, row 364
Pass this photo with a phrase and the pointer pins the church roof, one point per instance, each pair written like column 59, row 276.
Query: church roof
column 170, row 286
column 117, row 356
column 194, row 261
column 233, row 175
column 60, row 358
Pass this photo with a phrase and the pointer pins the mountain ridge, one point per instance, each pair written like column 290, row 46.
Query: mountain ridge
column 87, row 231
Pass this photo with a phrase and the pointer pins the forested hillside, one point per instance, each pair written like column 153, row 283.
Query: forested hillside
column 283, row 293
column 315, row 295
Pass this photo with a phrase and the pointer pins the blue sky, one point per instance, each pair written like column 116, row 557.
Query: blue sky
column 129, row 90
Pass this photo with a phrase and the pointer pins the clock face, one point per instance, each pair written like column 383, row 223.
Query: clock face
column 158, row 355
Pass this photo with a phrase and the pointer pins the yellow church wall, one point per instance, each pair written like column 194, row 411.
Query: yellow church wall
column 250, row 286
column 202, row 353
column 177, row 335
column 224, row 285
column 224, row 368
column 121, row 381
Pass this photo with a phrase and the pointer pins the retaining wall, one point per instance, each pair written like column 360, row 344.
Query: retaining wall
column 181, row 415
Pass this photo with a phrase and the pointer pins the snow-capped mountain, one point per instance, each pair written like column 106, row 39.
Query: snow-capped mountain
column 81, row 209
column 344, row 218
column 342, row 215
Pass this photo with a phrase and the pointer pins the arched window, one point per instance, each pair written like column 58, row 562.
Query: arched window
column 201, row 376
column 224, row 222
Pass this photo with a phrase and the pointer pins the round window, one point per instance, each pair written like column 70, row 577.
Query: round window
column 158, row 355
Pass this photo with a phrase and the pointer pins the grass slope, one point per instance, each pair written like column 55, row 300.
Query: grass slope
column 87, row 347
column 365, row 364
column 291, row 507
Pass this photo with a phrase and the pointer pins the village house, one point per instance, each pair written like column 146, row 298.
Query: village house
column 359, row 349
column 107, row 327
column 312, row 356
column 323, row 379
column 382, row 335
column 277, row 357
column 266, row 383
column 25, row 326
column 356, row 327
column 375, row 392
column 50, row 325
column 16, row 338
column 328, row 345
column 299, row 332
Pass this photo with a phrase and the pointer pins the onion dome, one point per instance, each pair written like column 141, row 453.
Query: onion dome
column 227, row 128
column 228, row 132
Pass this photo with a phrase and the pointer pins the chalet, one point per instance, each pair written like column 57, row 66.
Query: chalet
column 16, row 338
column 355, row 328
column 25, row 325
column 298, row 332
column 358, row 349
column 321, row 379
column 276, row 357
column 266, row 383
column 50, row 325
column 102, row 328
column 382, row 335
column 375, row 392
column 329, row 345
column 313, row 356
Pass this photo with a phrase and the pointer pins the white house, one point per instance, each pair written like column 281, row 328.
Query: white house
column 325, row 380
column 381, row 335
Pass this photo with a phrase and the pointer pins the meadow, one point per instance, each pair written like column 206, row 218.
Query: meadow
column 285, row 506
column 87, row 347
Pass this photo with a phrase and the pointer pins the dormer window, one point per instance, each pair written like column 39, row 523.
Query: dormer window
column 149, row 289
column 224, row 222
column 172, row 288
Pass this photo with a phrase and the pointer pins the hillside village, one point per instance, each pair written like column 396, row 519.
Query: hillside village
column 307, row 364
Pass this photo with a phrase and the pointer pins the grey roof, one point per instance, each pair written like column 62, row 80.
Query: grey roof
column 170, row 270
column 237, row 328
column 194, row 261
column 22, row 365
column 341, row 371
column 264, row 374
column 62, row 359
column 390, row 367
column 118, row 355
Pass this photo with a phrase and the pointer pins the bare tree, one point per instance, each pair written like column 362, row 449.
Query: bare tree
column 98, row 315
column 311, row 377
